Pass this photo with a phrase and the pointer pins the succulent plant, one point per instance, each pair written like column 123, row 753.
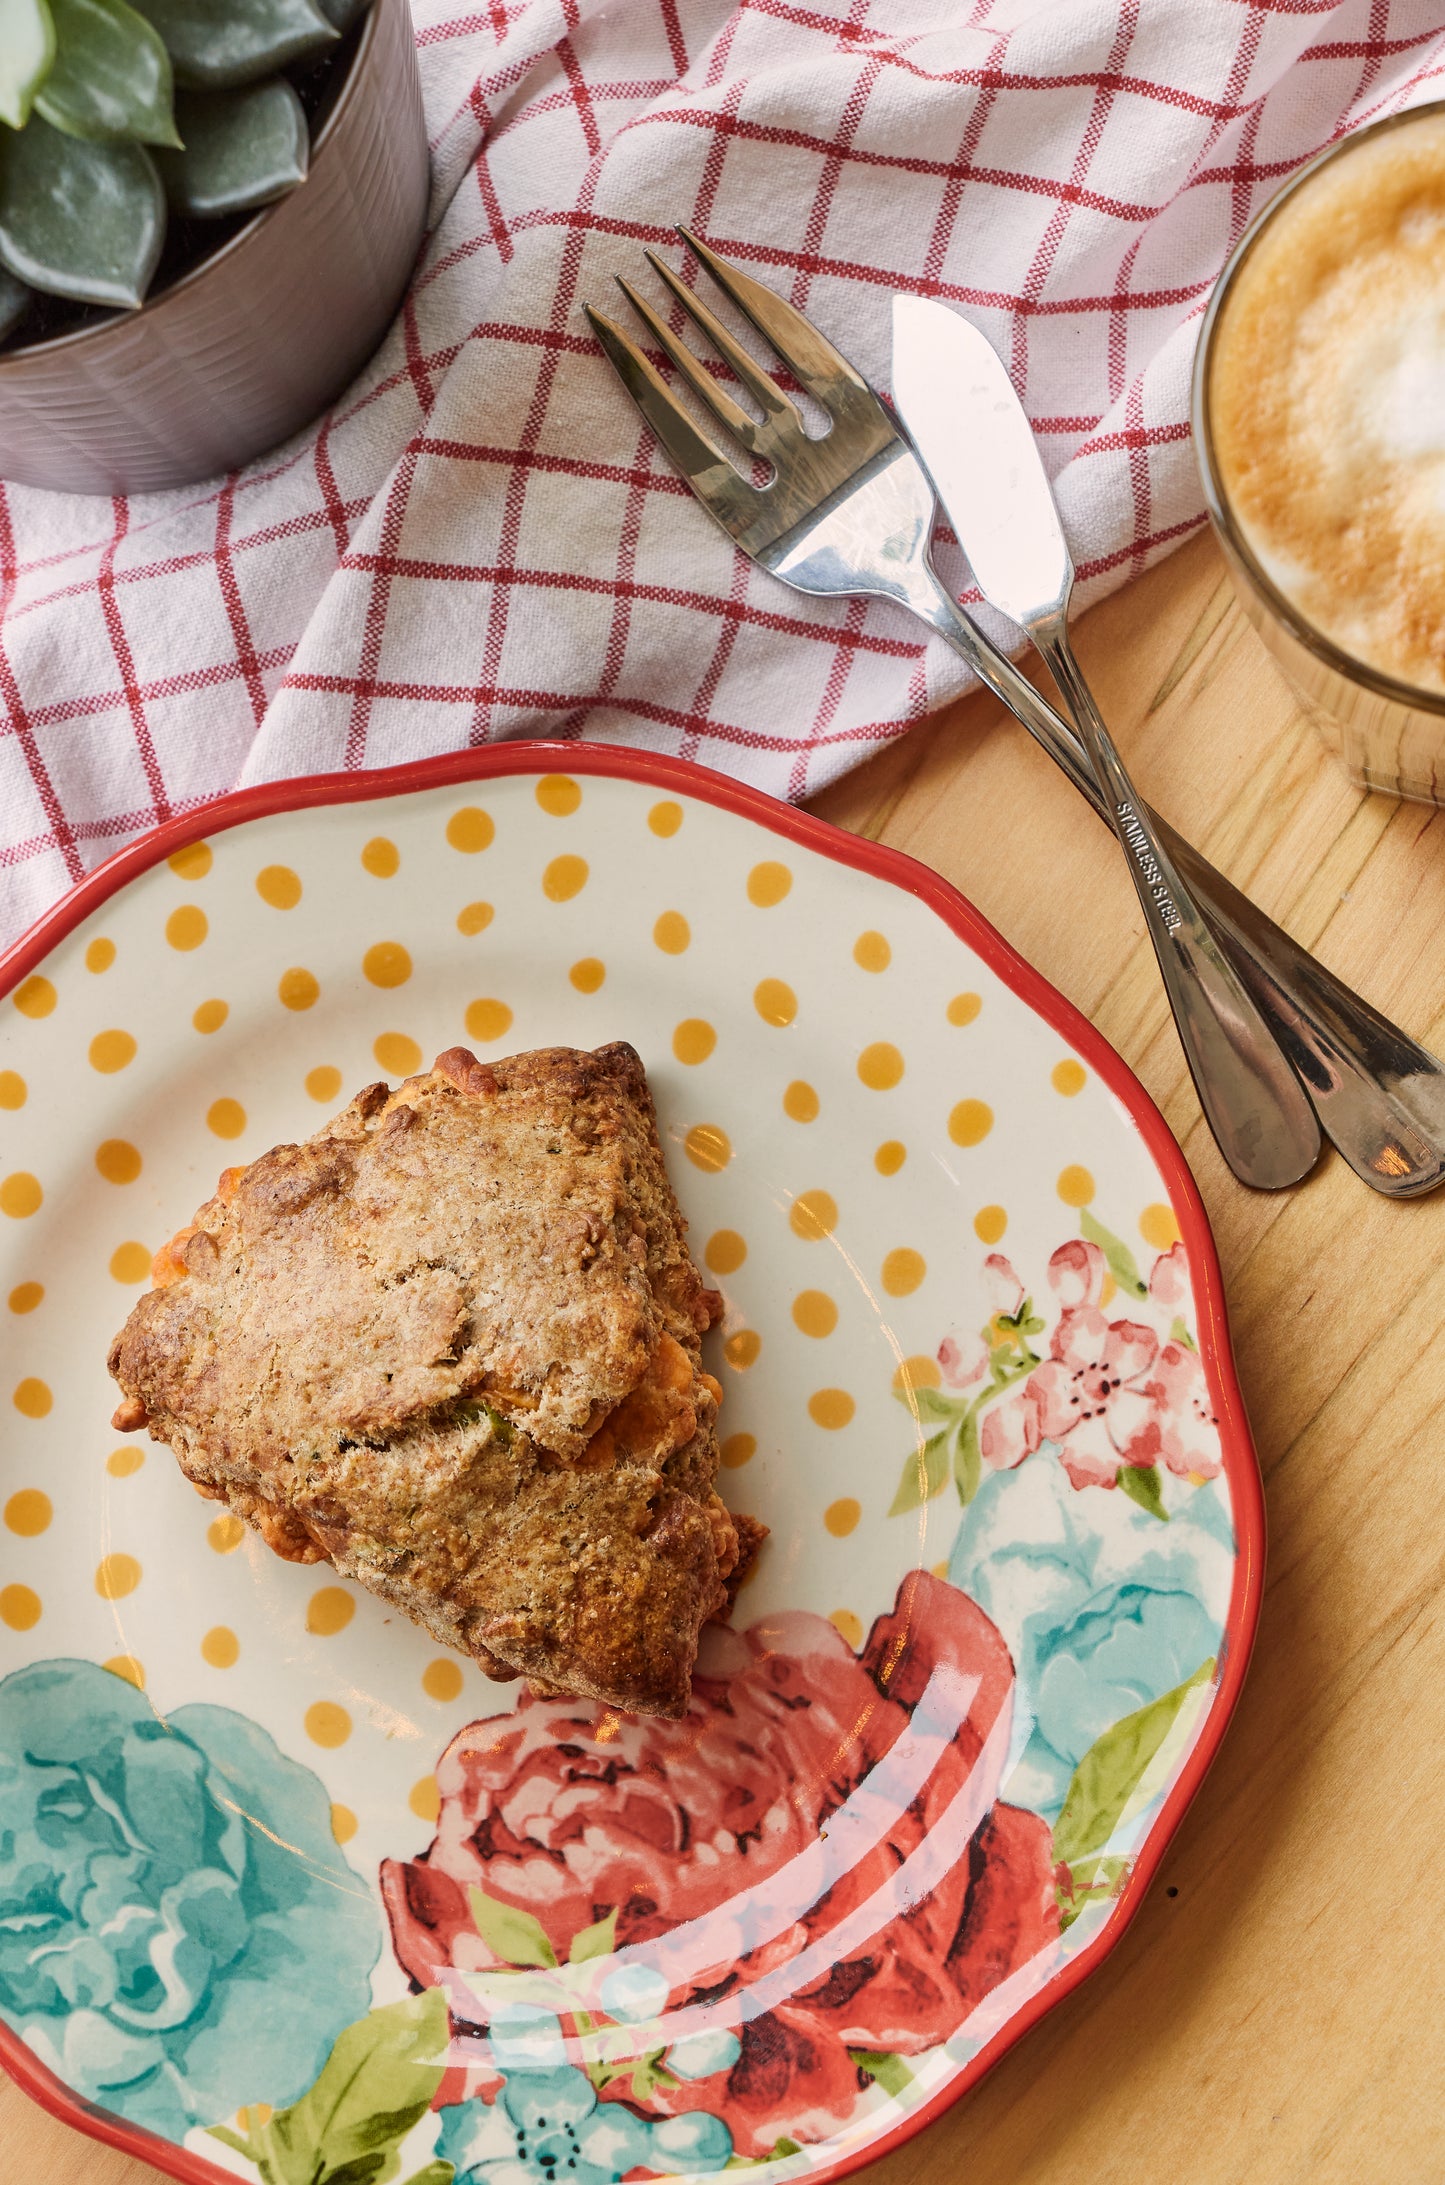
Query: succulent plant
column 117, row 113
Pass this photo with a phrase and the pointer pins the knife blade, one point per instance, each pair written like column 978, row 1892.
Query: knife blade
column 974, row 440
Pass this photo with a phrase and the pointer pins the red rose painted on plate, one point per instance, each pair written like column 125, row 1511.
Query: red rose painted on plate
column 813, row 1866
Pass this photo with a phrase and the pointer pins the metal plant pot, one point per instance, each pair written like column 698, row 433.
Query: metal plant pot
column 252, row 343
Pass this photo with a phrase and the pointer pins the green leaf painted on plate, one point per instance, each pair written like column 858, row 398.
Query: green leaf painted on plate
column 598, row 1940
column 1140, row 1482
column 931, row 1404
column 514, row 1937
column 1090, row 1882
column 112, row 76
column 1178, row 1333
column 217, row 44
column 431, row 2173
column 1118, row 1258
column 241, row 149
column 1111, row 1770
column 375, row 2085
column 967, row 1459
column 78, row 219
column 27, row 49
column 884, row 2068
column 924, row 1475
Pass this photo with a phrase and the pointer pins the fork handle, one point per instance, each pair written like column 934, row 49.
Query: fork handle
column 1379, row 1095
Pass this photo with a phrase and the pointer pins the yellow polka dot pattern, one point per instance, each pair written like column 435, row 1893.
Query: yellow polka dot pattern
column 564, row 878
column 880, row 1066
column 20, row 1195
column 587, row 974
column 324, row 1082
column 112, row 1051
column 964, row 1008
column 872, row 952
column 425, row 1800
column 279, row 886
column 220, row 1647
column 989, row 1224
column 298, row 989
column 708, row 1147
column 397, row 1053
column 386, row 964
column 225, row 1533
column 442, row 1680
column 118, row 1161
column 226, row 1118
column 32, row 1398
column 36, row 997
column 488, row 1020
column 832, row 1408
column 344, row 1824
column 559, row 795
column 672, row 933
column 743, row 1349
column 210, row 1016
column 814, row 1313
column 471, row 830
column 841, row 1517
column 19, row 1607
column 1068, row 1077
column 724, row 1252
column 813, row 1214
column 28, row 1512
column 12, row 1089
column 191, row 863
column 970, row 1122
column 381, row 858
column 768, row 883
column 1159, row 1226
column 26, row 1296
column 664, row 819
column 99, row 955
column 903, row 1271
column 116, row 1576
column 775, row 1002
column 890, row 1157
column 474, row 918
column 130, row 1263
column 187, row 927
column 850, row 1626
column 327, row 1724
column 693, row 1041
column 329, row 1610
column 126, row 1667
column 738, row 1450
column 122, row 1462
column 800, row 1102
column 919, row 1371
column 1075, row 1186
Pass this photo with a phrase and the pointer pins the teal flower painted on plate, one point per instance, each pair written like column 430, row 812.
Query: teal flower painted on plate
column 549, row 2128
column 1103, row 1607
column 179, row 1934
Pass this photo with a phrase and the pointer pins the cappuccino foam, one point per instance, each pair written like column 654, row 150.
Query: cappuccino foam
column 1327, row 401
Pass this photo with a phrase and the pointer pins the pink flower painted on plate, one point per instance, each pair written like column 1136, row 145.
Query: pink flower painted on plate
column 814, row 1857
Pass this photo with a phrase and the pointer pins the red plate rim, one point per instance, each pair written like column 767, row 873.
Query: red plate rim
column 620, row 762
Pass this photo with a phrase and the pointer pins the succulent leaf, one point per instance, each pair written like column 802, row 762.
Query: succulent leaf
column 241, row 149
column 80, row 219
column 341, row 14
column 112, row 76
column 216, row 45
column 27, row 48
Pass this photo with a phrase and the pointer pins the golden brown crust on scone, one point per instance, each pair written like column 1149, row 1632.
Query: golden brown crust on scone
column 452, row 1343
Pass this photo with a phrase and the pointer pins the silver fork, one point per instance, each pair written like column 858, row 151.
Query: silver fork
column 853, row 513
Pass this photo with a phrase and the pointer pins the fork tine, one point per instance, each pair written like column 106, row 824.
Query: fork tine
column 815, row 361
column 704, row 386
column 769, row 398
column 726, row 496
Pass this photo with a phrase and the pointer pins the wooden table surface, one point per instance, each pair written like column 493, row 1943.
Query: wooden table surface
column 1276, row 2015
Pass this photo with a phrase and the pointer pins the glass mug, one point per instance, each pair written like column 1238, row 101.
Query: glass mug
column 1388, row 729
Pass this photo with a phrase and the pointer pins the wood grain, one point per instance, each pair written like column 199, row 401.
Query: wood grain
column 1277, row 2014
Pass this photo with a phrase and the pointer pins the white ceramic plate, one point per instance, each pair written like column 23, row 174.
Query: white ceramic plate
column 974, row 1382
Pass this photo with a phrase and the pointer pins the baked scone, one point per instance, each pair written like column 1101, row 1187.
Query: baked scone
column 452, row 1345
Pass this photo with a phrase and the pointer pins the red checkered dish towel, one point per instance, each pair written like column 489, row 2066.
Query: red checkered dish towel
column 481, row 542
